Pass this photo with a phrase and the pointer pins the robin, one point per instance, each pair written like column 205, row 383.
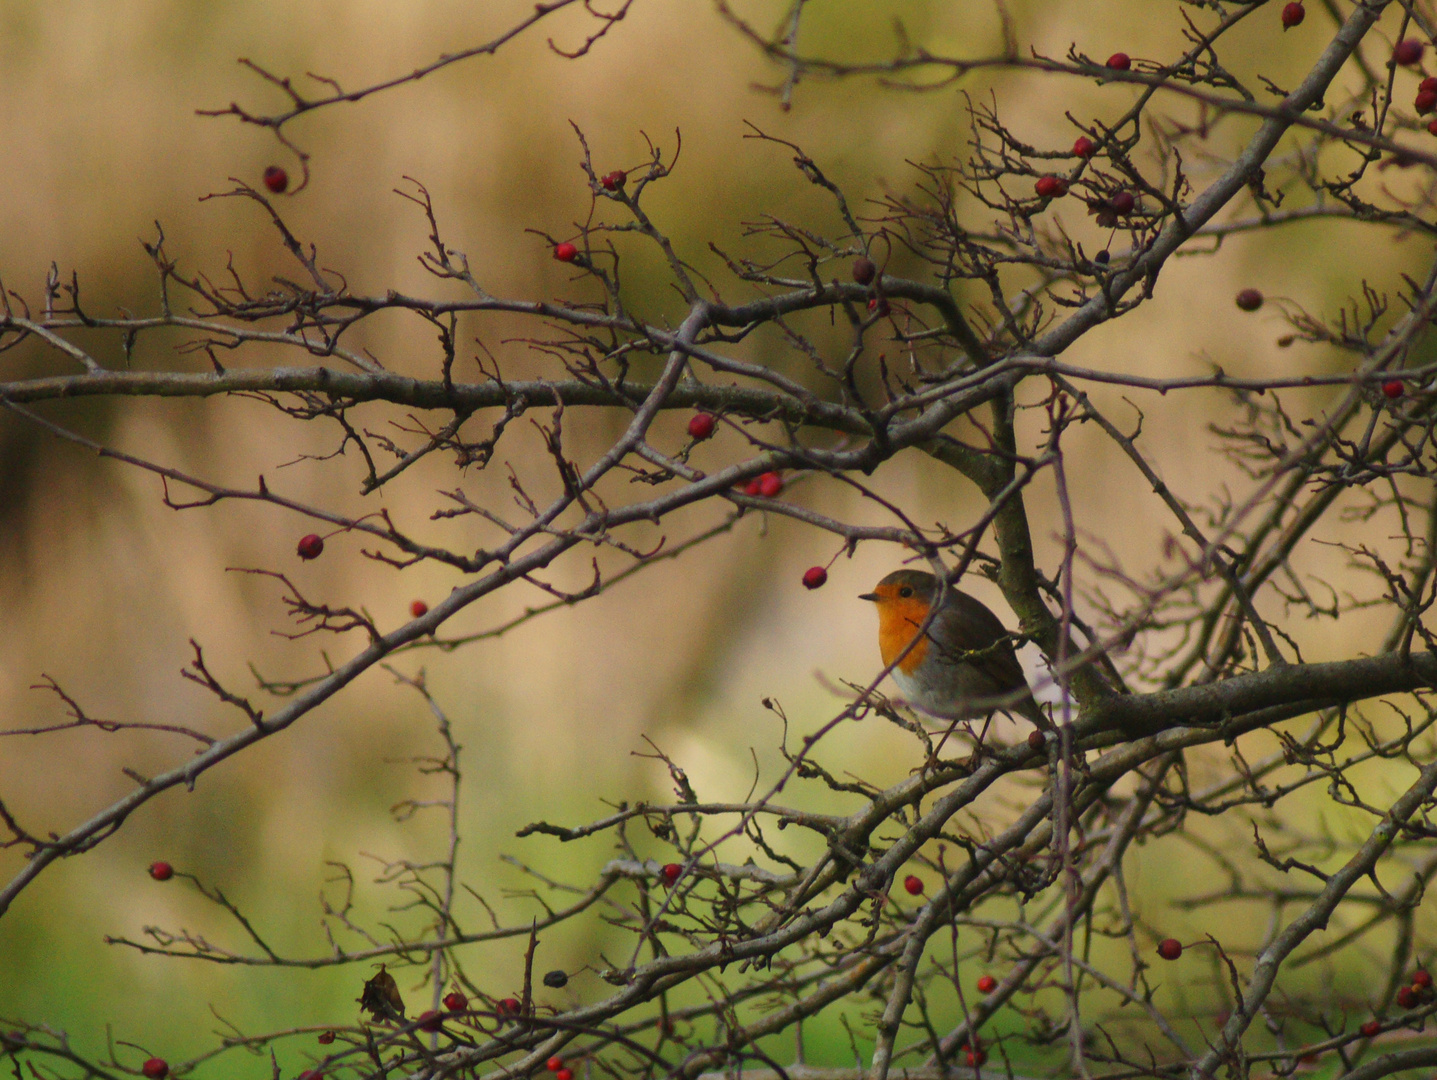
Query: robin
column 964, row 654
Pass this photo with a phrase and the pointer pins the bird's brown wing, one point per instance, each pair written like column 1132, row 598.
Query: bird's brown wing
column 965, row 625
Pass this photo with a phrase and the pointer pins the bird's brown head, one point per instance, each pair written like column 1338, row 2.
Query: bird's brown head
column 903, row 599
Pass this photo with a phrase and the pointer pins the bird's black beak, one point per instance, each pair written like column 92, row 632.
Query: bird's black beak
column 870, row 596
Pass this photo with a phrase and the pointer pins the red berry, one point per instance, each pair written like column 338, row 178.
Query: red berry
column 429, row 1020
column 815, row 577
column 614, row 180
column 864, row 271
column 418, row 608
column 155, row 1068
column 987, row 984
column 1426, row 100
column 1084, row 147
column 510, row 1006
column 1170, row 948
column 701, row 426
column 1406, row 998
column 976, row 1058
column 276, row 179
column 913, row 885
column 161, row 871
column 1122, row 202
column 1432, row 127
column 564, row 1074
column 566, row 252
column 1407, row 52
column 1421, row 979
column 454, row 1001
column 879, row 306
column 770, row 484
column 1392, row 389
column 1249, row 300
column 311, row 546
column 671, row 873
column 1371, row 1028
column 1051, row 187
column 310, row 1074
column 326, row 1037
column 1292, row 15
column 555, row 1063
column 1037, row 740
column 1119, row 61
column 752, row 487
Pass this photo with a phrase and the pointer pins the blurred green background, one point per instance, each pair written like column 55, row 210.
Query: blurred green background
column 103, row 586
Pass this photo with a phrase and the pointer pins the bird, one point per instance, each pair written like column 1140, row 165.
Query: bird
column 963, row 655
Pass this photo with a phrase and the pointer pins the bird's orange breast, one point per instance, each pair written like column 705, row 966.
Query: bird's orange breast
column 898, row 622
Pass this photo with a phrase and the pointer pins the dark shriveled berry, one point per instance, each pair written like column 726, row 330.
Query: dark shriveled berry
column 1249, row 300
column 864, row 270
column 556, row 980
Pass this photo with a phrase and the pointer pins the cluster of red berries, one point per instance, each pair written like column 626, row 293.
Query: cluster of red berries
column 1426, row 100
column 975, row 1055
column 768, row 485
column 1292, row 15
column 561, row 1071
column 1420, row 988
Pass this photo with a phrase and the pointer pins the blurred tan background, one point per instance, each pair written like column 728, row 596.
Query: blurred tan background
column 102, row 586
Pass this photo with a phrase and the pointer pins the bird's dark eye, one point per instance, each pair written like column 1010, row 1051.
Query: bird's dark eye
column 906, row 591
